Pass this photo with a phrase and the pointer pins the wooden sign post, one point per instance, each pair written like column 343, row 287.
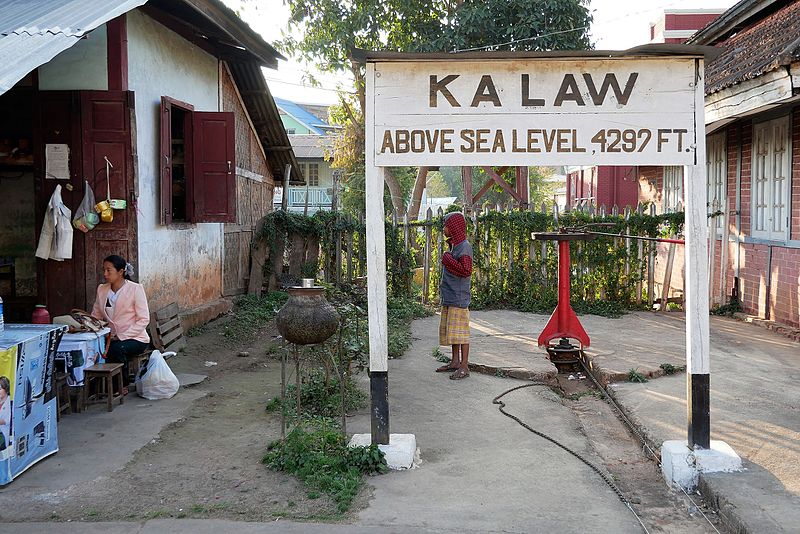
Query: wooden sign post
column 641, row 107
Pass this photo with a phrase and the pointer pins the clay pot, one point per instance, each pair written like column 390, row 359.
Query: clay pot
column 307, row 317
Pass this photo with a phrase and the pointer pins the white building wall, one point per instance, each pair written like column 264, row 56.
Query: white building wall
column 180, row 262
column 83, row 66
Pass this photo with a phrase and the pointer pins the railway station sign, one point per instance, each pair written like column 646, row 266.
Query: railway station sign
column 636, row 111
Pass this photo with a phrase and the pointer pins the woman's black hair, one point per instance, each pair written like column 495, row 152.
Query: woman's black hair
column 5, row 384
column 119, row 264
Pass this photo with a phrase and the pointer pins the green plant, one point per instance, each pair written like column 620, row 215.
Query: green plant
column 321, row 459
column 318, row 399
column 440, row 356
column 196, row 331
column 732, row 307
column 500, row 373
column 670, row 369
column 674, row 306
column 635, row 376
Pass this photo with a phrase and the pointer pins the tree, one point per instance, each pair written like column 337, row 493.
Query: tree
column 330, row 30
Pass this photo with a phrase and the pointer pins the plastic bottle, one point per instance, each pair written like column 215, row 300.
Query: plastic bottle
column 2, row 324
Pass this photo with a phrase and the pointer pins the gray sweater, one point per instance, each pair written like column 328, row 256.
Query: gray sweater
column 455, row 290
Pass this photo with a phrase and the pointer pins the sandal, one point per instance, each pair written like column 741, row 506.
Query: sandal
column 459, row 374
column 446, row 369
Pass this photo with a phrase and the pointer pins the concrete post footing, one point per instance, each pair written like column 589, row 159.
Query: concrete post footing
column 399, row 452
column 682, row 466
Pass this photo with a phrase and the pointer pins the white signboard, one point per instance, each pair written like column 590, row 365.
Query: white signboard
column 528, row 111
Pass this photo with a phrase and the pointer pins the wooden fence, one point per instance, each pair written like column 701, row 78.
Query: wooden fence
column 511, row 269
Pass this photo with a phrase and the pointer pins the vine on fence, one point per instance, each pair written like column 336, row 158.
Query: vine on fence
column 511, row 270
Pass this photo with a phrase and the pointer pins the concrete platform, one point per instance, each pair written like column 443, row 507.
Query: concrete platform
column 754, row 400
column 480, row 471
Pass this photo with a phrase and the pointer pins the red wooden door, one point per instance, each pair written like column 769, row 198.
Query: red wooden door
column 60, row 284
column 106, row 133
column 214, row 166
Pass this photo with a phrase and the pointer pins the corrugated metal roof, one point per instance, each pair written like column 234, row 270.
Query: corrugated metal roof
column 266, row 119
column 311, row 146
column 32, row 32
column 308, row 119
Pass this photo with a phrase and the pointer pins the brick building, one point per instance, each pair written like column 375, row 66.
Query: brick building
column 752, row 107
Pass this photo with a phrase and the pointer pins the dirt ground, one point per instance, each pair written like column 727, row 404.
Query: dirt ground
column 207, row 464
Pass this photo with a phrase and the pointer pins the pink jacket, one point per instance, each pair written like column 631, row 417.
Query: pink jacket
column 131, row 314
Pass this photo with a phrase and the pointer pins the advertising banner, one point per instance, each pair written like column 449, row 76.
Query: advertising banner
column 28, row 431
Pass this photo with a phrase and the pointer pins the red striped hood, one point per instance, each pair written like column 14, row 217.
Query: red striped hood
column 457, row 224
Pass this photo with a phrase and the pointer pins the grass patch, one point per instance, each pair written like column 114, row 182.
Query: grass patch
column 440, row 356
column 155, row 514
column 319, row 457
column 728, row 309
column 252, row 313
column 196, row 331
column 635, row 376
column 670, row 369
column 401, row 312
column 320, row 400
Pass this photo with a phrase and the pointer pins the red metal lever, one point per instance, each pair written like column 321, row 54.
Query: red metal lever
column 563, row 322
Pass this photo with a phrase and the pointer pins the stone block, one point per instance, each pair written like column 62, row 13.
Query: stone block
column 682, row 466
column 399, row 452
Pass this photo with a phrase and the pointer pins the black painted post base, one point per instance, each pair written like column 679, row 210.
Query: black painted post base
column 699, row 407
column 379, row 393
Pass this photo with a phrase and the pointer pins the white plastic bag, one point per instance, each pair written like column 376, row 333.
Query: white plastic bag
column 85, row 218
column 158, row 381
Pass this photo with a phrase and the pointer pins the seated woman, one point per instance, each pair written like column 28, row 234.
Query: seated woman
column 122, row 303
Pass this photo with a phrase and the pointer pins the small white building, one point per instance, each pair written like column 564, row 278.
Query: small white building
column 171, row 93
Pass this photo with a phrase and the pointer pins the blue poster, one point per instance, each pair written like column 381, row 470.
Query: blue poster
column 28, row 431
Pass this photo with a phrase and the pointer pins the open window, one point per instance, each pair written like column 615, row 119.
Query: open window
column 197, row 164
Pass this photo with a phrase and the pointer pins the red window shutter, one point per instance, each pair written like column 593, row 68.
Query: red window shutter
column 165, row 160
column 214, row 166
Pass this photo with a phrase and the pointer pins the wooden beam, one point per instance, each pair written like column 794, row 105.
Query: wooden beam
column 483, row 190
column 117, row 49
column 376, row 281
column 466, row 182
column 697, row 322
column 502, row 183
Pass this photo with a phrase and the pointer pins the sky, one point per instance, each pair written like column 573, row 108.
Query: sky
column 617, row 25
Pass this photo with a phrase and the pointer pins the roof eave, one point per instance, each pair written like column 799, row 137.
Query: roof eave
column 229, row 22
column 648, row 50
column 730, row 21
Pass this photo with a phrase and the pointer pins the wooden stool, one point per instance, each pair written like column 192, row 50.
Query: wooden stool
column 105, row 373
column 63, row 403
column 135, row 363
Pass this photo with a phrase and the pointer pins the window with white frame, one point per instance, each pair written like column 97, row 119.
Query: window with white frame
column 313, row 174
column 717, row 175
column 672, row 195
column 770, row 179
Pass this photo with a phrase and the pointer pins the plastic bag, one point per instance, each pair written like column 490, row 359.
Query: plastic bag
column 85, row 218
column 157, row 381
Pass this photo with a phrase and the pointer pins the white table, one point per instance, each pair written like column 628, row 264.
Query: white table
column 79, row 351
